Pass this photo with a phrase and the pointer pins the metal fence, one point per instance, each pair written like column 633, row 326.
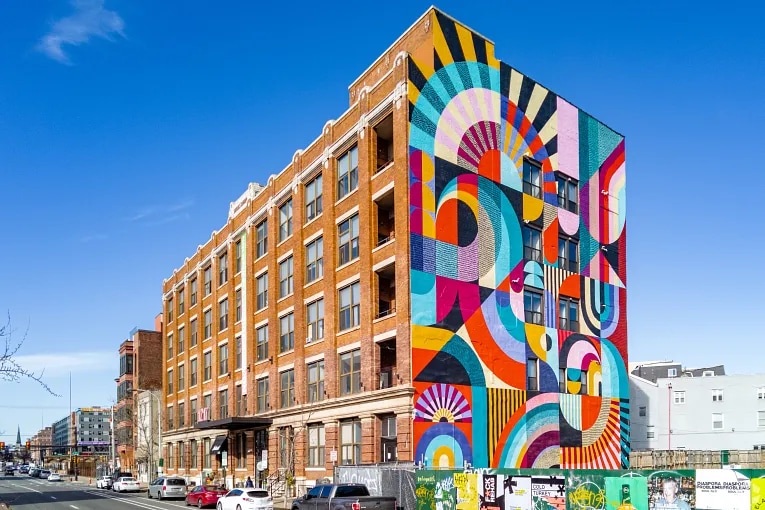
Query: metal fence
column 383, row 480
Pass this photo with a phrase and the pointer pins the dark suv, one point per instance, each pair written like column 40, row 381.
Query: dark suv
column 9, row 471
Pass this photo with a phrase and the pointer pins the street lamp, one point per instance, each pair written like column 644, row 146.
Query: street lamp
column 159, row 425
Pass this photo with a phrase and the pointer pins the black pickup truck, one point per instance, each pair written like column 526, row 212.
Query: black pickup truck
column 343, row 496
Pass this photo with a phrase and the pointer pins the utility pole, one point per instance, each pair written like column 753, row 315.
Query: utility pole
column 111, row 435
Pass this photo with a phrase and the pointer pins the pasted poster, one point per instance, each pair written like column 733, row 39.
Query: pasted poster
column 467, row 490
column 505, row 492
column 586, row 490
column 627, row 493
column 722, row 488
column 757, row 489
column 548, row 492
column 672, row 490
column 435, row 490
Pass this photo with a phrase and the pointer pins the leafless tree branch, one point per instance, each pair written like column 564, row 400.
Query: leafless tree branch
column 10, row 369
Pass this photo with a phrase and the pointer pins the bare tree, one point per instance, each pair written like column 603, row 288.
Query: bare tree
column 10, row 369
column 289, row 438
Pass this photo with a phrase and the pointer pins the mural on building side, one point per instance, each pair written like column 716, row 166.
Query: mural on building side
column 525, row 489
column 518, row 278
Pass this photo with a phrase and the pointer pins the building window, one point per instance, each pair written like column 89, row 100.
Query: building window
column 262, row 291
column 170, row 418
column 193, row 293
column 350, row 307
column 241, row 450
column 388, row 438
column 286, row 278
column 193, row 372
column 761, row 419
column 650, row 433
column 170, row 453
column 761, row 393
column 223, row 315
column 671, row 372
column 679, row 397
column 170, row 342
column 261, row 239
column 285, row 220
column 348, row 239
column 568, row 193
column 181, row 340
column 238, row 252
column 287, row 332
column 194, row 412
column 585, row 388
column 181, row 301
column 316, row 445
column 222, row 269
column 222, row 359
column 222, row 404
column 194, row 448
column 314, row 256
column 350, row 442
column 238, row 296
column 207, row 316
column 206, row 455
column 532, row 244
column 532, row 374
column 347, row 172
column 532, row 178
column 562, row 378
column 532, row 305
column 169, row 309
column 708, row 373
column 261, row 334
column 568, row 313
column 316, row 381
column 208, row 405
column 350, row 372
column 287, row 388
column 181, row 413
column 238, row 361
column 642, row 410
column 717, row 421
column 170, row 381
column 241, row 401
column 286, row 445
column 194, row 332
column 207, row 272
column 181, row 377
column 568, row 254
column 315, row 320
column 208, row 365
column 717, row 395
column 262, row 395
column 313, row 198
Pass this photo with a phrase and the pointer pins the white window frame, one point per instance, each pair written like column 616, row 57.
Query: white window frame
column 678, row 397
column 721, row 421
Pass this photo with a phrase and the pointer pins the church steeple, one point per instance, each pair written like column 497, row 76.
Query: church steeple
column 18, row 435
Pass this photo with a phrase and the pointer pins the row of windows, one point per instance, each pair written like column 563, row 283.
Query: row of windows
column 568, row 310
column 532, row 379
column 223, row 367
column 718, row 422
column 567, row 187
column 568, row 249
column 678, row 396
column 349, row 382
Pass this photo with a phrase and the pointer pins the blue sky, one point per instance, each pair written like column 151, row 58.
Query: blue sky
column 127, row 127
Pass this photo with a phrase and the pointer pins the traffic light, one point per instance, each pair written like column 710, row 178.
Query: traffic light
column 29, row 443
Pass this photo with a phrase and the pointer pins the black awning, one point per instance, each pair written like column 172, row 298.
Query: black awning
column 235, row 423
column 219, row 445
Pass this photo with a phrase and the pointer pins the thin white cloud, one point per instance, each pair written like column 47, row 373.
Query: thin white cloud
column 63, row 363
column 89, row 19
column 161, row 214
column 93, row 237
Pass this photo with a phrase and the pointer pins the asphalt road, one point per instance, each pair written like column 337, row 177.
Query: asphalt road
column 24, row 493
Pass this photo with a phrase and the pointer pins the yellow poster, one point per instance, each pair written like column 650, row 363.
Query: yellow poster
column 467, row 490
column 757, row 489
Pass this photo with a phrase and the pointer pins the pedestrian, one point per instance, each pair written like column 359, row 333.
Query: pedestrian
column 248, row 483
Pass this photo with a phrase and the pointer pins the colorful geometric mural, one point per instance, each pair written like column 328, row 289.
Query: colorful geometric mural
column 518, row 267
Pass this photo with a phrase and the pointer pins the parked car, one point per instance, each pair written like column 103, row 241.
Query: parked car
column 167, row 487
column 205, row 495
column 246, row 499
column 343, row 496
column 9, row 471
column 126, row 484
column 54, row 477
column 104, row 482
column 44, row 474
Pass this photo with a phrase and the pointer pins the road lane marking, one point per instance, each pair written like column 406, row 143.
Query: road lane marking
column 75, row 508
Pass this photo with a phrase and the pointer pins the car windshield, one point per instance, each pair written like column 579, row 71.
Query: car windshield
column 175, row 481
column 257, row 494
column 128, row 479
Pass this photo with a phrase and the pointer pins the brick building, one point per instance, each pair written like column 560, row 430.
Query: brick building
column 41, row 444
column 412, row 286
column 140, row 369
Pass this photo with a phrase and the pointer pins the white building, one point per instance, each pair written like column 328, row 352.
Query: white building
column 711, row 412
column 147, row 434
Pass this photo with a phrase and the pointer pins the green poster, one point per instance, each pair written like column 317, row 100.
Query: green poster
column 435, row 490
column 586, row 490
column 626, row 493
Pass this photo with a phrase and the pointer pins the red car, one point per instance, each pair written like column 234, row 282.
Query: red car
column 205, row 495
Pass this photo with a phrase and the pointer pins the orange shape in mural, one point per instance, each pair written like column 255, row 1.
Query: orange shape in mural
column 489, row 165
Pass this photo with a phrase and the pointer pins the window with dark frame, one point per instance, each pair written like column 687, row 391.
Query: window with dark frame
column 238, row 296
column 262, row 395
column 193, row 371
column 287, row 388
column 262, row 291
column 315, row 386
column 238, row 360
column 194, row 326
column 285, row 220
column 223, row 404
column 223, row 359
column 313, row 198
column 350, row 372
column 347, row 172
column 286, row 277
column 568, row 254
column 222, row 269
column 532, row 178
column 568, row 313
column 349, row 302
column 223, row 315
column 532, row 244
column 568, row 193
column 350, row 442
column 170, row 382
column 316, row 441
column 532, row 305
column 208, row 365
column 181, row 415
column 261, row 239
column 532, row 374
column 314, row 256
column 207, row 316
column 562, row 380
column 170, row 342
column 261, row 350
column 181, row 377
column 287, row 332
column 193, row 411
column 181, row 301
column 238, row 252
column 207, row 273
column 169, row 309
column 193, row 292
column 348, row 240
column 181, row 340
column 315, row 320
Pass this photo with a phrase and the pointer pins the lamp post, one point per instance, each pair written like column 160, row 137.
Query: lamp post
column 669, row 416
column 159, row 425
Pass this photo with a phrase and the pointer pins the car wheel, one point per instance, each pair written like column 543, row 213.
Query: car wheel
column 199, row 503
column 149, row 493
column 238, row 507
column 220, row 506
column 159, row 495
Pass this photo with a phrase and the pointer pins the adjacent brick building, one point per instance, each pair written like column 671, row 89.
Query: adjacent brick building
column 411, row 286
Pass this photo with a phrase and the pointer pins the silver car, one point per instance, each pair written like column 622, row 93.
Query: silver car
column 167, row 487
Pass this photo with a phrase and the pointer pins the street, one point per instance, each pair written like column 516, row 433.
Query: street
column 23, row 492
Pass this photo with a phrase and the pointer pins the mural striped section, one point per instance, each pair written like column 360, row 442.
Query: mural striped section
column 502, row 404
